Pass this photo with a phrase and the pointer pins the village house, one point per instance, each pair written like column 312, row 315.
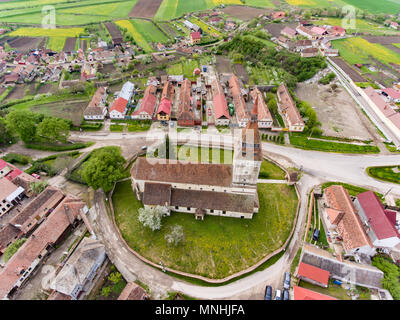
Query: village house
column 306, row 294
column 310, row 52
column 391, row 94
column 195, row 37
column 337, row 31
column 265, row 120
column 242, row 114
column 96, row 109
column 288, row 110
column 119, row 109
column 147, row 105
column 31, row 254
column 132, row 291
column 289, row 32
column 343, row 214
column 381, row 231
column 306, row 32
column 167, row 98
column 313, row 275
column 278, row 15
column 10, row 195
column 221, row 112
column 302, row 45
column 186, row 116
column 80, row 269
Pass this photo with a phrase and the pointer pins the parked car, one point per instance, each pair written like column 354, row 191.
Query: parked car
column 268, row 293
column 144, row 148
column 286, row 281
column 285, row 294
column 278, row 295
column 316, row 235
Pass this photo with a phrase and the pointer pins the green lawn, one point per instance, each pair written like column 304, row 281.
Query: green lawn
column 301, row 141
column 270, row 170
column 207, row 155
column 116, row 128
column 333, row 290
column 223, row 245
column 267, row 76
column 389, row 174
column 184, row 67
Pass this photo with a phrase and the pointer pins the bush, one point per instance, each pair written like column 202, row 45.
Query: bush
column 49, row 147
column 17, row 158
column 328, row 78
column 391, row 272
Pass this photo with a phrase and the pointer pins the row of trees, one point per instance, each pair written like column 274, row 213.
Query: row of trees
column 33, row 127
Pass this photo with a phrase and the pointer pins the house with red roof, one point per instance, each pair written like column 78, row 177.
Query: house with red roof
column 278, row 15
column 195, row 37
column 314, row 275
column 167, row 97
column 338, row 31
column 319, row 31
column 146, row 105
column 392, row 94
column 380, row 229
column 289, row 32
column 343, row 213
column 119, row 108
column 221, row 112
column 264, row 116
column 305, row 294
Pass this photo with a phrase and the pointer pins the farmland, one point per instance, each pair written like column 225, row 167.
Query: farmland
column 144, row 32
column 316, row 3
column 358, row 50
column 170, row 9
column 360, row 26
column 55, row 43
column 382, row 6
column 267, row 76
column 206, row 28
column 40, row 32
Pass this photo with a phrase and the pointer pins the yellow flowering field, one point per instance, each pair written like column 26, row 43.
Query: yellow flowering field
column 40, row 32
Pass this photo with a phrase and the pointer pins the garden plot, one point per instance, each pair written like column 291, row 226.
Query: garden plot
column 267, row 76
column 145, row 8
column 336, row 111
column 245, row 13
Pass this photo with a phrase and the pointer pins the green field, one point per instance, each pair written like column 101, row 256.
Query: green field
column 267, row 76
column 170, row 9
column 67, row 12
column 223, row 246
column 185, row 67
column 316, row 3
column 144, row 32
column 270, row 170
column 360, row 26
column 55, row 43
column 358, row 50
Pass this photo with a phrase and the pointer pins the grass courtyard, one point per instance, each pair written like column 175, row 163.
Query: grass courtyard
column 223, row 246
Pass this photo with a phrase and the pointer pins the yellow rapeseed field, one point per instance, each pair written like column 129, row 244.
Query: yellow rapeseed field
column 40, row 32
column 301, row 2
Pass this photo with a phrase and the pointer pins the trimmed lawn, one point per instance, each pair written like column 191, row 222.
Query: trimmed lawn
column 301, row 141
column 185, row 67
column 389, row 174
column 223, row 245
column 270, row 170
column 206, row 155
column 116, row 128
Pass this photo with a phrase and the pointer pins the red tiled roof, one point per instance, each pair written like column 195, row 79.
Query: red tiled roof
column 289, row 31
column 262, row 108
column 3, row 164
column 313, row 273
column 376, row 215
column 305, row 294
column 318, row 30
column 148, row 102
column 338, row 29
column 238, row 101
column 13, row 174
column 220, row 104
column 288, row 106
column 195, row 35
column 392, row 93
column 119, row 105
column 350, row 226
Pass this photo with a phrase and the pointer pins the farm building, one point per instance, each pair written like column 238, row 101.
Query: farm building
column 309, row 52
column 195, row 37
column 288, row 110
column 314, row 275
column 146, row 105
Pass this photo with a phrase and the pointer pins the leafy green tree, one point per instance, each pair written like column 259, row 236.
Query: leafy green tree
column 115, row 277
column 23, row 123
column 5, row 135
column 106, row 291
column 53, row 130
column 103, row 168
column 38, row 187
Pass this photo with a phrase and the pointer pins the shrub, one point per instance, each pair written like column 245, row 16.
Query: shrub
column 17, row 158
column 50, row 147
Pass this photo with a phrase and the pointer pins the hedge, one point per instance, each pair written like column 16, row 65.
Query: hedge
column 48, row 147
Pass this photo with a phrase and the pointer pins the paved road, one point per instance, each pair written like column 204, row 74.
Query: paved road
column 317, row 167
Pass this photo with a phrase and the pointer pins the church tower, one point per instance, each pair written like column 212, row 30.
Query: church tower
column 248, row 153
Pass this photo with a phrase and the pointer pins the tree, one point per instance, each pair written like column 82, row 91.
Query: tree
column 176, row 235
column 115, row 277
column 53, row 130
column 23, row 123
column 38, row 187
column 5, row 135
column 151, row 217
column 103, row 168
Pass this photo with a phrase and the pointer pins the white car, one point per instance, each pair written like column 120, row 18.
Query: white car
column 278, row 295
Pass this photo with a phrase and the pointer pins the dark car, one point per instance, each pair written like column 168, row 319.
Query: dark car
column 285, row 294
column 286, row 281
column 268, row 293
column 316, row 235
